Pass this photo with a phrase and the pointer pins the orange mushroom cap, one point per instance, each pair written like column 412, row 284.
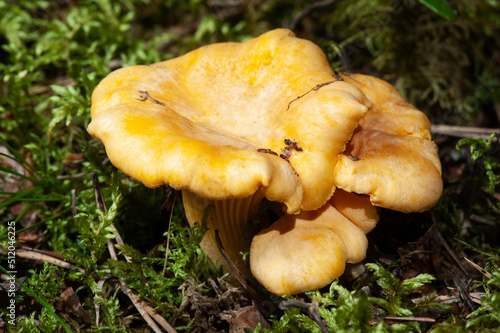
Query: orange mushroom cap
column 204, row 121
column 214, row 121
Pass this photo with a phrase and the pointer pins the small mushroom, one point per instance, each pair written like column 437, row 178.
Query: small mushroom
column 206, row 122
column 397, row 164
column 308, row 251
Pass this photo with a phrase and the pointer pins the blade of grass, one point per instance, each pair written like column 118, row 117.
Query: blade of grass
column 12, row 172
column 17, row 197
column 440, row 7
column 8, row 193
column 39, row 199
column 21, row 198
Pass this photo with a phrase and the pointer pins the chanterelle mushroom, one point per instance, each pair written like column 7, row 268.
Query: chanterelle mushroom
column 213, row 124
column 391, row 159
column 230, row 124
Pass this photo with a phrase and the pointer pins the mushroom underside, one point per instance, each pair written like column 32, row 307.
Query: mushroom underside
column 307, row 251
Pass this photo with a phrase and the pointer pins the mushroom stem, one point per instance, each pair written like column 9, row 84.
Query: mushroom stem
column 230, row 217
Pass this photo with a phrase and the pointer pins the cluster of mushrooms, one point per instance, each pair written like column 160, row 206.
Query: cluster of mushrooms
column 235, row 126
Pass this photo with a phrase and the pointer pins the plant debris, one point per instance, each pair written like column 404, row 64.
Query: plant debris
column 291, row 145
column 145, row 95
column 316, row 88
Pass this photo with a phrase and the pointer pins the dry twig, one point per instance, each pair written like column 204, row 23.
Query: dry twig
column 462, row 290
column 480, row 269
column 167, row 247
column 421, row 319
column 464, row 132
column 37, row 255
column 450, row 252
column 159, row 319
column 138, row 305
